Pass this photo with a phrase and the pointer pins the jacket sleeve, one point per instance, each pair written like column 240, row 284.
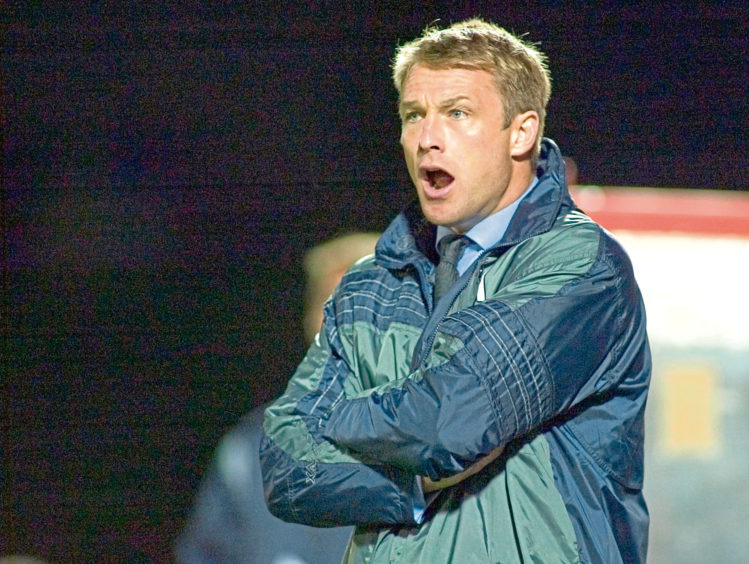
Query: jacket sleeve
column 555, row 333
column 307, row 479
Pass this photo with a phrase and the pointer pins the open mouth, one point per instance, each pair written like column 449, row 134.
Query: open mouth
column 438, row 178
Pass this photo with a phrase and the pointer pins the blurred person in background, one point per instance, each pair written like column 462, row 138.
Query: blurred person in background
column 229, row 522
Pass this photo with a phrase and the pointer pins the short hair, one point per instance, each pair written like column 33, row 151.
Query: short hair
column 520, row 70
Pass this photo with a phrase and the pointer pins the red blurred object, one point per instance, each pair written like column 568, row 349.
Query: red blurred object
column 655, row 209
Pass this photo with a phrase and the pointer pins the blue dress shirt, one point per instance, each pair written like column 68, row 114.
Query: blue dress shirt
column 486, row 233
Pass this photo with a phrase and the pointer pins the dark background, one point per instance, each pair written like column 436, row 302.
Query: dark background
column 165, row 168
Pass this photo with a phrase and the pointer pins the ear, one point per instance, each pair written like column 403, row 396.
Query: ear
column 524, row 131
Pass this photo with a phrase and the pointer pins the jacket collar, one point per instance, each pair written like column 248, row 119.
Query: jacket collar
column 409, row 239
column 539, row 210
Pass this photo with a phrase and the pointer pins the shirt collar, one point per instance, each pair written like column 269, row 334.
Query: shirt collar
column 490, row 230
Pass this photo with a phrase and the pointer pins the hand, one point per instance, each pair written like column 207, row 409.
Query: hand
column 434, row 485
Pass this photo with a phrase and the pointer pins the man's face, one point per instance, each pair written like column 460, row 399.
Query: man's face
column 455, row 144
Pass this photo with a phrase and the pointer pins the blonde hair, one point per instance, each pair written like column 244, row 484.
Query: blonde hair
column 520, row 70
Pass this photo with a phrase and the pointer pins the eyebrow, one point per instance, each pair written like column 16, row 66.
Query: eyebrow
column 408, row 105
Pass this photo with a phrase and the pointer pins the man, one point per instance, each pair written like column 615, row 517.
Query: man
column 488, row 408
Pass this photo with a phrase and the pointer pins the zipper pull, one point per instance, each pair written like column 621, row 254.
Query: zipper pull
column 481, row 292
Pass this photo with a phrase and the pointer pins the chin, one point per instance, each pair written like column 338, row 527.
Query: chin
column 436, row 219
column 437, row 213
column 449, row 220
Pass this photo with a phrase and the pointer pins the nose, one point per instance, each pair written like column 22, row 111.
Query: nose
column 432, row 134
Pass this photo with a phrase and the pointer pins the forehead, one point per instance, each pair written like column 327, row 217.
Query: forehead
column 440, row 84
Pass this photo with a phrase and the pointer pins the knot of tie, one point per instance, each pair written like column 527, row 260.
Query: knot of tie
column 451, row 249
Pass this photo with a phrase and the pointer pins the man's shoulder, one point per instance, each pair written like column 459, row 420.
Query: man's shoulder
column 579, row 229
column 372, row 295
column 369, row 276
column 364, row 264
column 575, row 245
column 377, row 288
column 572, row 235
column 361, row 273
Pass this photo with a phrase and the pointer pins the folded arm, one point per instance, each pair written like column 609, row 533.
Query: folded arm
column 500, row 369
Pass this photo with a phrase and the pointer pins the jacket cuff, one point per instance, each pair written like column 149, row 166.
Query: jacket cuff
column 335, row 494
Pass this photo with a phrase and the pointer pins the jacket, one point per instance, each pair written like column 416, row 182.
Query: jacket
column 540, row 347
column 229, row 523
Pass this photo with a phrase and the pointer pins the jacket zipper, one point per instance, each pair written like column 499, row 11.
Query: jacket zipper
column 465, row 280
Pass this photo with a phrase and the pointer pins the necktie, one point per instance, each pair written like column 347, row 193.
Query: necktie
column 451, row 248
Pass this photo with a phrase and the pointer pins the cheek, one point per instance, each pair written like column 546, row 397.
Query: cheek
column 495, row 154
column 475, row 146
column 408, row 152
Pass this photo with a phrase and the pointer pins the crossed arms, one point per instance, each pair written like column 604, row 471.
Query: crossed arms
column 336, row 453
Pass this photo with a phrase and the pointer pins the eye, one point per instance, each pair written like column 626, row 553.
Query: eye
column 458, row 113
column 410, row 117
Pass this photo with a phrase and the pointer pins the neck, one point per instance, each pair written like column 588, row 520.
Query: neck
column 520, row 179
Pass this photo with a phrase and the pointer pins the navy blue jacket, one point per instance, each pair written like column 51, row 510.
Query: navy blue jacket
column 539, row 348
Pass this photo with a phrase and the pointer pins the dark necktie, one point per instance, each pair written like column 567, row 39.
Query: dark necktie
column 451, row 248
